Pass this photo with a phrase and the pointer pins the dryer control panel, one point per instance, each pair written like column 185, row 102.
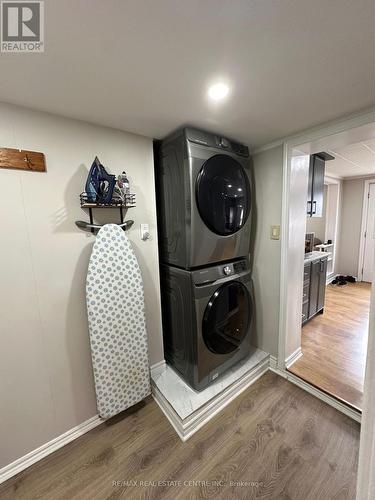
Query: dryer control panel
column 240, row 266
column 215, row 141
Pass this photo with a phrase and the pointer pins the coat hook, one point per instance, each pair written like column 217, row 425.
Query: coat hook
column 28, row 161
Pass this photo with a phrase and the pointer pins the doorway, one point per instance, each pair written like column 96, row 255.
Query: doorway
column 296, row 170
column 337, row 299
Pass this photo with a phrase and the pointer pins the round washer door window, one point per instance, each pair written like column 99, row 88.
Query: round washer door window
column 223, row 195
column 227, row 318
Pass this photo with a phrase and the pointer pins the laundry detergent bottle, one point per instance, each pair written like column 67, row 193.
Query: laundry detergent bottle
column 123, row 184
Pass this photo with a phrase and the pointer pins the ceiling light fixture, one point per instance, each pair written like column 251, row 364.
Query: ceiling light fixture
column 218, row 91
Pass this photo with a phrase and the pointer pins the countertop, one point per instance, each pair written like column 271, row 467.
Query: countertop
column 313, row 256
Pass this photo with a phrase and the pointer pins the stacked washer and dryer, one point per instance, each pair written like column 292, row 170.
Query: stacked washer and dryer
column 204, row 194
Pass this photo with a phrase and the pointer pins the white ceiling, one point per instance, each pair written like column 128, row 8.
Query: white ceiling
column 354, row 160
column 144, row 65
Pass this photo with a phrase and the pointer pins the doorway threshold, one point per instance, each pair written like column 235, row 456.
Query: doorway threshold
column 350, row 405
column 336, row 403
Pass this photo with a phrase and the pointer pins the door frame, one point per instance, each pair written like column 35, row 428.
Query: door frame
column 338, row 133
column 362, row 240
column 331, row 135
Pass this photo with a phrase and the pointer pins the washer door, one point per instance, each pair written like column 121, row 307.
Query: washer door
column 223, row 195
column 227, row 317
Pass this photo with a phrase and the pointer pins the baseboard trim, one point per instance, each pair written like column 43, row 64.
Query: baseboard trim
column 293, row 357
column 159, row 364
column 185, row 428
column 46, row 449
column 273, row 362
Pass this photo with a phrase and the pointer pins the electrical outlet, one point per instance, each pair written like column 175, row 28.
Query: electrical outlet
column 145, row 232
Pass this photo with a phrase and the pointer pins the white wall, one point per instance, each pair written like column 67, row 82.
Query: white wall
column 46, row 383
column 268, row 166
column 350, row 226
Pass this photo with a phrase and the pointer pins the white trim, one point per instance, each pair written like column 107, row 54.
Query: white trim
column 358, row 177
column 366, row 461
column 159, row 364
column 284, row 260
column 324, row 130
column 168, row 411
column 268, row 146
column 185, row 428
column 293, row 357
column 343, row 408
column 332, row 179
column 188, row 426
column 46, row 449
column 273, row 362
column 362, row 240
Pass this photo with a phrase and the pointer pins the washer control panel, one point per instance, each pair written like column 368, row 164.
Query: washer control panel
column 212, row 273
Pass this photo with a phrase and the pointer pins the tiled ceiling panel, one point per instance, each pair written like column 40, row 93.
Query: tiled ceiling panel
column 370, row 144
column 353, row 160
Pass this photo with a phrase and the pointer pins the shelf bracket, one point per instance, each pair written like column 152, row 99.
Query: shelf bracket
column 96, row 227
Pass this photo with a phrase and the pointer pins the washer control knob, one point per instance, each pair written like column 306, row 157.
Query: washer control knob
column 227, row 270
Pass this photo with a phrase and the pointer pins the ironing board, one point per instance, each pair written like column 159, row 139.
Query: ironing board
column 117, row 327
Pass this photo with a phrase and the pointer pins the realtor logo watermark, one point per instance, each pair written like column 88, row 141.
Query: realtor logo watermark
column 22, row 26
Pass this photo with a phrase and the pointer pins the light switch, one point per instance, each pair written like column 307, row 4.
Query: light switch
column 275, row 232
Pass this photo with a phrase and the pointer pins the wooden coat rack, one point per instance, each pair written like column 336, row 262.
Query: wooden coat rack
column 21, row 159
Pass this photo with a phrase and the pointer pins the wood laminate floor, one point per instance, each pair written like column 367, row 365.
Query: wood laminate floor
column 334, row 343
column 275, row 441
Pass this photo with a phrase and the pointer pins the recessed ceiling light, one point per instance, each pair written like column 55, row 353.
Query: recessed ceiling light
column 218, row 91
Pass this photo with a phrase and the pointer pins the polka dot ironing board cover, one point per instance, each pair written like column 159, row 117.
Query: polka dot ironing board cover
column 118, row 337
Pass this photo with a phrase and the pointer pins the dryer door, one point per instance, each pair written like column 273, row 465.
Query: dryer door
column 227, row 318
column 223, row 195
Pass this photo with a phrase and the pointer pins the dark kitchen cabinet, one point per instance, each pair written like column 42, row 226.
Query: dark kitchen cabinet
column 306, row 292
column 322, row 272
column 315, row 193
column 314, row 288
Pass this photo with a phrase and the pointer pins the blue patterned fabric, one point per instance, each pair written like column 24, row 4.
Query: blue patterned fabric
column 116, row 315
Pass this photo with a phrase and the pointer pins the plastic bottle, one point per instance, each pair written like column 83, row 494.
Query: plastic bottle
column 123, row 183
